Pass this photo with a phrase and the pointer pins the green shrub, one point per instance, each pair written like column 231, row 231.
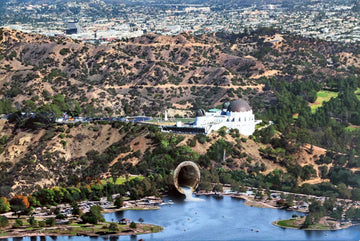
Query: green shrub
column 63, row 143
column 19, row 222
column 50, row 222
column 61, row 129
column 42, row 223
column 60, row 216
column 4, row 221
column 132, row 225
column 113, row 227
column 64, row 51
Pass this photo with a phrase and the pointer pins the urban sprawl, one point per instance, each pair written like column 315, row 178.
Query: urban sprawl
column 105, row 21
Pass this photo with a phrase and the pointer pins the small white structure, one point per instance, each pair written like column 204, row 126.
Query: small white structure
column 235, row 115
column 166, row 117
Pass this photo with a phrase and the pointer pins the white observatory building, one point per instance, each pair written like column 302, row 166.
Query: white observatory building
column 235, row 115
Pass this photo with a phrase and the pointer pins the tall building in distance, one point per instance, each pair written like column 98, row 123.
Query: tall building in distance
column 73, row 28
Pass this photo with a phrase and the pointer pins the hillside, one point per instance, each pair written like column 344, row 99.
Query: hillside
column 281, row 75
column 145, row 75
column 68, row 154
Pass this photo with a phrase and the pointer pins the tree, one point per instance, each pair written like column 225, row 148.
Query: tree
column 50, row 222
column 350, row 213
column 45, row 196
column 337, row 213
column 218, row 188
column 132, row 225
column 31, row 220
column 118, row 202
column 75, row 209
column 18, row 223
column 94, row 215
column 4, row 205
column 113, row 227
column 19, row 204
column 316, row 211
column 4, row 221
column 307, row 222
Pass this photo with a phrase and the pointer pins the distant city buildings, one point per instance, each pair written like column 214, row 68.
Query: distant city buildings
column 336, row 21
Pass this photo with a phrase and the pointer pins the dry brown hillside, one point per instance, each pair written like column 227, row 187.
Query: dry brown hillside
column 150, row 73
column 32, row 159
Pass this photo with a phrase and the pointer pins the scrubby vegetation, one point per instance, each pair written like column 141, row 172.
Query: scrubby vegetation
column 312, row 101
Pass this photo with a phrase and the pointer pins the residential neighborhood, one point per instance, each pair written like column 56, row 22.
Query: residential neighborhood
column 101, row 21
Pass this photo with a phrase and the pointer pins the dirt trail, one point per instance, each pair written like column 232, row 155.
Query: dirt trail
column 164, row 86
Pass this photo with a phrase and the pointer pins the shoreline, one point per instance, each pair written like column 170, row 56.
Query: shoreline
column 248, row 201
column 82, row 229
column 68, row 231
column 324, row 228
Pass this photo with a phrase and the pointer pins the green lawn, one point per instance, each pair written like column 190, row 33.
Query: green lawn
column 322, row 96
column 183, row 120
column 352, row 128
column 122, row 179
column 357, row 93
column 319, row 226
column 288, row 223
column 294, row 223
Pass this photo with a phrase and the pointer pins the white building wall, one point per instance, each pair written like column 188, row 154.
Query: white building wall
column 243, row 121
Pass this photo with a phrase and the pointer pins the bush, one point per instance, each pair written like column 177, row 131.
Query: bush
column 118, row 202
column 31, row 220
column 113, row 227
column 64, row 51
column 50, row 222
column 60, row 216
column 19, row 222
column 4, row 221
column 132, row 225
column 63, row 143
column 94, row 215
column 42, row 223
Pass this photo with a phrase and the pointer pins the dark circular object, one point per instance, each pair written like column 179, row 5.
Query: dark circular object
column 239, row 105
column 186, row 174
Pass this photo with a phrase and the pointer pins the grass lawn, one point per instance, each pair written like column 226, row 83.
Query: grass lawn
column 291, row 223
column 319, row 226
column 322, row 96
column 122, row 179
column 357, row 93
column 352, row 128
column 297, row 223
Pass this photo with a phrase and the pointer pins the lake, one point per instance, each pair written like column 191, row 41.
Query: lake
column 216, row 218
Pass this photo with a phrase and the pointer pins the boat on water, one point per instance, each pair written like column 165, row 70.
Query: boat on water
column 170, row 202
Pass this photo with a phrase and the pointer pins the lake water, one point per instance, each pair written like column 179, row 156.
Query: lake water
column 216, row 218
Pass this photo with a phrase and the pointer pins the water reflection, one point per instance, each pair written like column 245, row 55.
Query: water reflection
column 17, row 239
column 133, row 237
column 114, row 238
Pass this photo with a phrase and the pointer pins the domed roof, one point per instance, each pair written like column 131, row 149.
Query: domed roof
column 239, row 105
